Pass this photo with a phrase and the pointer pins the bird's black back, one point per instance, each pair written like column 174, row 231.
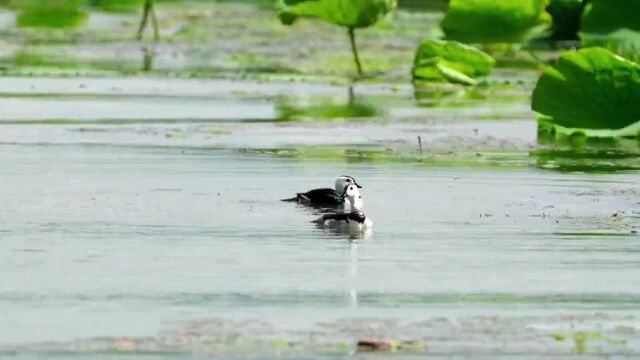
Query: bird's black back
column 324, row 196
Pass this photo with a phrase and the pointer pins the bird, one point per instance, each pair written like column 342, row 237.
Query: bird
column 353, row 220
column 326, row 196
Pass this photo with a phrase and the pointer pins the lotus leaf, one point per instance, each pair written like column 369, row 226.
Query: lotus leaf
column 590, row 89
column 450, row 61
column 495, row 21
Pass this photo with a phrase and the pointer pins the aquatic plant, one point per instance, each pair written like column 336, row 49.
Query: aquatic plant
column 352, row 14
column 592, row 89
column 450, row 61
column 49, row 14
column 491, row 21
column 323, row 110
column 579, row 338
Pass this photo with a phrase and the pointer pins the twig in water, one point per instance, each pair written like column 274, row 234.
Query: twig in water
column 420, row 143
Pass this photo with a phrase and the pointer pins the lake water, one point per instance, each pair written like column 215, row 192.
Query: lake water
column 130, row 224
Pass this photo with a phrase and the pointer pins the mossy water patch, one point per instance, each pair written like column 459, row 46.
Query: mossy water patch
column 587, row 160
column 41, row 61
column 449, row 95
column 580, row 339
column 324, row 109
column 556, row 160
column 363, row 154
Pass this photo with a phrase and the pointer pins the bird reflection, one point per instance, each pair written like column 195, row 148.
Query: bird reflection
column 353, row 275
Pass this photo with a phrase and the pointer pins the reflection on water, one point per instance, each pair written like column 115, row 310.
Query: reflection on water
column 577, row 152
column 148, row 54
column 353, row 276
column 327, row 108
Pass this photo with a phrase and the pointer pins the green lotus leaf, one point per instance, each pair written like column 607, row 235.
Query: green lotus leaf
column 348, row 13
column 451, row 61
column 495, row 21
column 51, row 13
column 592, row 89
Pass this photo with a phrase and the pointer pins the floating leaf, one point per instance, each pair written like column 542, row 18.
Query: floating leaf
column 590, row 89
column 495, row 21
column 324, row 109
column 450, row 61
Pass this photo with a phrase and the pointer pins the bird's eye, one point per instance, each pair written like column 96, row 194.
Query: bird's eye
column 348, row 180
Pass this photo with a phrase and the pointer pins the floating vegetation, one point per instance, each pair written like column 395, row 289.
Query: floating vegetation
column 439, row 157
column 580, row 339
column 288, row 109
column 587, row 160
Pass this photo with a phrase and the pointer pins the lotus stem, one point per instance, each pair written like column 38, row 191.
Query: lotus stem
column 354, row 50
column 536, row 57
column 154, row 22
column 149, row 11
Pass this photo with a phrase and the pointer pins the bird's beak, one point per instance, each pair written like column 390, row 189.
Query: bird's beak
column 358, row 185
